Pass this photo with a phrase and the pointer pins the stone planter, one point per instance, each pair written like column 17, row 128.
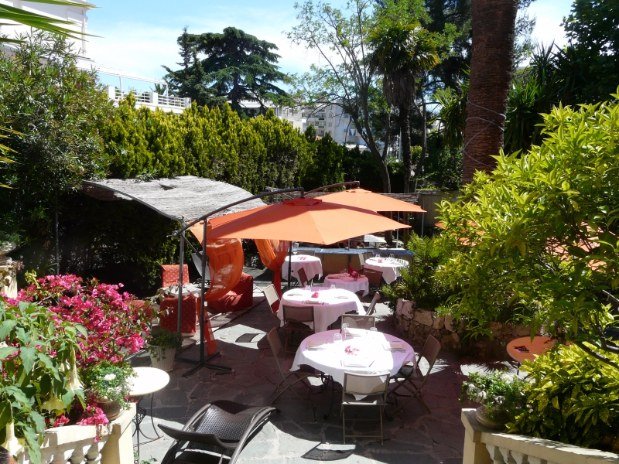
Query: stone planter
column 481, row 414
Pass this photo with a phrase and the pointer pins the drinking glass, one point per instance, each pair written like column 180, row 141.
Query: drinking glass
column 344, row 330
column 337, row 337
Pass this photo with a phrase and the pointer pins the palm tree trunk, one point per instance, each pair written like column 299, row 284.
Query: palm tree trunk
column 405, row 140
column 492, row 59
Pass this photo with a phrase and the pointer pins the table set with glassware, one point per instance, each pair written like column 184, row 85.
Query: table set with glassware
column 328, row 303
column 353, row 282
column 390, row 267
column 334, row 352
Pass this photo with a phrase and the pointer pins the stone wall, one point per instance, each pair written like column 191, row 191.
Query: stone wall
column 415, row 324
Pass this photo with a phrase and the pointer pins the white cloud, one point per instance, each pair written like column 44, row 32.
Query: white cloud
column 549, row 16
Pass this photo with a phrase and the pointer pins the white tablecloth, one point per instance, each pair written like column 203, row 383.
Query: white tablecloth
column 311, row 264
column 368, row 353
column 329, row 304
column 390, row 267
column 347, row 282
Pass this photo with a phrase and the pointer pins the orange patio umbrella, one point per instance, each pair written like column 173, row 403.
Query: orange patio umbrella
column 310, row 220
column 362, row 198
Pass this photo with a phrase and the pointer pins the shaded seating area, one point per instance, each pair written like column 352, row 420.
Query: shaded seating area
column 219, row 430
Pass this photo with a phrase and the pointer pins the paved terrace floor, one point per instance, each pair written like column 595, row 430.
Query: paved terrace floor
column 300, row 432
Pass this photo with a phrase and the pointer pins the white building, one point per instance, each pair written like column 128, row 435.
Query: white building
column 330, row 120
column 78, row 21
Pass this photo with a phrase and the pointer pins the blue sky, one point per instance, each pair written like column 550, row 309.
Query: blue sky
column 137, row 37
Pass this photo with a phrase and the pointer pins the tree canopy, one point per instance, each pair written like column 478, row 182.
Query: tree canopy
column 232, row 66
column 537, row 238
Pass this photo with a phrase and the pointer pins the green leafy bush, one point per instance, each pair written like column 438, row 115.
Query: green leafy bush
column 38, row 381
column 418, row 282
column 536, row 239
column 571, row 397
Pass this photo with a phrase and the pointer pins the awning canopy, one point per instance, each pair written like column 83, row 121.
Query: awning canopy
column 183, row 198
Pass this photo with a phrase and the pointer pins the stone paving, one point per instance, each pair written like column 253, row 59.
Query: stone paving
column 299, row 432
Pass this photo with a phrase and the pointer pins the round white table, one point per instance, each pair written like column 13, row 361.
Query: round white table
column 390, row 267
column 311, row 264
column 329, row 304
column 368, row 353
column 146, row 381
column 348, row 282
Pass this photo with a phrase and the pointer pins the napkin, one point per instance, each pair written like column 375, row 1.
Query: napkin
column 357, row 361
column 395, row 346
column 314, row 344
column 355, row 332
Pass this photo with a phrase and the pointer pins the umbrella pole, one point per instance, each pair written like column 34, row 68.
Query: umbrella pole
column 202, row 361
column 289, row 265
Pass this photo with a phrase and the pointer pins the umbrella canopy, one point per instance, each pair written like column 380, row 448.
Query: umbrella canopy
column 308, row 220
column 368, row 238
column 369, row 200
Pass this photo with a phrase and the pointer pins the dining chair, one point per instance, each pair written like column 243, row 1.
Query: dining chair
column 288, row 378
column 371, row 309
column 411, row 377
column 356, row 321
column 375, row 278
column 303, row 280
column 364, row 391
column 296, row 320
column 270, row 293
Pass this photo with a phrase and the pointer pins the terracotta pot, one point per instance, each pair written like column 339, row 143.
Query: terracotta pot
column 111, row 409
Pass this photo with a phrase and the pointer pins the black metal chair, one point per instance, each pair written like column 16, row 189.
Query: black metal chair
column 218, row 431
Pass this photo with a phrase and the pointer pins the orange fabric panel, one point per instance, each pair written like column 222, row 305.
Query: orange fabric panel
column 225, row 259
column 273, row 254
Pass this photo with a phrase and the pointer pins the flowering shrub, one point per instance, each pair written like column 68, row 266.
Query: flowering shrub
column 114, row 327
column 501, row 394
column 57, row 326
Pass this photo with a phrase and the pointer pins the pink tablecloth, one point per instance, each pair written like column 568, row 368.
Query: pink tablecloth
column 329, row 304
column 347, row 282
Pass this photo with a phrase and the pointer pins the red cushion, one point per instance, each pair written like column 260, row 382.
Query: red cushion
column 240, row 297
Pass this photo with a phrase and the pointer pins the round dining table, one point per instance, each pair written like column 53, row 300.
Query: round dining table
column 368, row 352
column 390, row 267
column 329, row 304
column 311, row 264
column 527, row 348
column 346, row 281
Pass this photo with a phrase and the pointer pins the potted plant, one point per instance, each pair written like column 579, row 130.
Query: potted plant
column 108, row 386
column 162, row 345
column 499, row 395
